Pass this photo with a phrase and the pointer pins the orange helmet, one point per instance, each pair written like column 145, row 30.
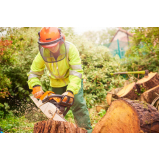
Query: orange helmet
column 50, row 37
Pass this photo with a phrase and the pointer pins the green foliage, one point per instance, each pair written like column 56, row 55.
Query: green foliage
column 144, row 51
column 97, row 79
column 13, row 124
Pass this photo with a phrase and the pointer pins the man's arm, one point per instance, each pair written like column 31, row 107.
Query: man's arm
column 76, row 71
column 37, row 70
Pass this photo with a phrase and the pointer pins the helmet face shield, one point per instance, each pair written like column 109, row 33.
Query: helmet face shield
column 51, row 57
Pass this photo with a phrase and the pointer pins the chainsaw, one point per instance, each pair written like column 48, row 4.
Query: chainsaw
column 54, row 106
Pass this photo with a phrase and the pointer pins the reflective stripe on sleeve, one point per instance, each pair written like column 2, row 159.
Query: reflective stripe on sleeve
column 37, row 73
column 32, row 76
column 74, row 67
column 75, row 73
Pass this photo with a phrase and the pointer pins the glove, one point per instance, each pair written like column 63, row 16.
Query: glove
column 37, row 91
column 68, row 93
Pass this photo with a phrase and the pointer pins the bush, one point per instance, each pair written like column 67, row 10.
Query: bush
column 15, row 63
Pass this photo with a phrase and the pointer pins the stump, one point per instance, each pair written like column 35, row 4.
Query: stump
column 150, row 95
column 52, row 126
column 129, row 116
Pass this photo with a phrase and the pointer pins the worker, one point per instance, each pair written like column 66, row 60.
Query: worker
column 62, row 61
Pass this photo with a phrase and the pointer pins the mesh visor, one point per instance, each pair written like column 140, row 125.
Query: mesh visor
column 50, row 57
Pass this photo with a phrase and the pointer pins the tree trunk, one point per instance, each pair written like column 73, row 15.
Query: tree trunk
column 129, row 116
column 52, row 126
column 150, row 95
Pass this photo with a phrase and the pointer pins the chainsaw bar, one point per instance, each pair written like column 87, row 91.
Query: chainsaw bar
column 49, row 109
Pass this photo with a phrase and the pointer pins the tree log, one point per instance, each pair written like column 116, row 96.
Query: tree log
column 129, row 116
column 52, row 126
column 130, row 91
column 151, row 81
column 150, row 95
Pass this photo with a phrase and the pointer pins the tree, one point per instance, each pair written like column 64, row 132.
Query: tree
column 144, row 51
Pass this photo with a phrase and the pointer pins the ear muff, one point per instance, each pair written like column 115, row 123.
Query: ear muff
column 61, row 34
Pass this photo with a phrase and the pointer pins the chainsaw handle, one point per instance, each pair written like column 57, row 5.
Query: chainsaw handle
column 51, row 96
column 61, row 102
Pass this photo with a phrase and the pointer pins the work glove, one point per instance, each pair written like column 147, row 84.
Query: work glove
column 70, row 94
column 37, row 91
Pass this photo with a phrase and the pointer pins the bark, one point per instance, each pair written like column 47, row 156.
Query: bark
column 129, row 116
column 52, row 126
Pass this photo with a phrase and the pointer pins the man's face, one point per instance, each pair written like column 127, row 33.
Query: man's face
column 54, row 49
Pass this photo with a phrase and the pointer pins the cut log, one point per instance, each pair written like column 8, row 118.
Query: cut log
column 52, row 126
column 130, row 91
column 129, row 116
column 150, row 95
column 151, row 81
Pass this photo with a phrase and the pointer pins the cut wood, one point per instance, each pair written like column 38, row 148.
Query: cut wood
column 52, row 126
column 150, row 95
column 109, row 98
column 151, row 81
column 112, row 94
column 129, row 116
column 130, row 91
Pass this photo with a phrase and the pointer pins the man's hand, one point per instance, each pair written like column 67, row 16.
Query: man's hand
column 68, row 93
column 37, row 91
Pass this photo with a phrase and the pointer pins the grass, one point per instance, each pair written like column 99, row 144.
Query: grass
column 13, row 124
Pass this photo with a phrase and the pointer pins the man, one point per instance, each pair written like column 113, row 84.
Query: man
column 63, row 63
